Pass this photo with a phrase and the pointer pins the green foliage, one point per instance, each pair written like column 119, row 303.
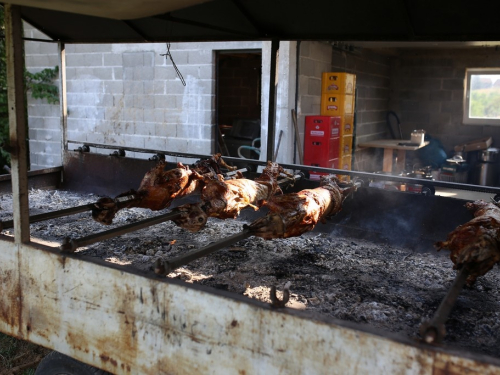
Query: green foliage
column 40, row 85
column 485, row 103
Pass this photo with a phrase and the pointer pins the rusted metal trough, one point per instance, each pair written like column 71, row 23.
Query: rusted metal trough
column 127, row 321
column 131, row 323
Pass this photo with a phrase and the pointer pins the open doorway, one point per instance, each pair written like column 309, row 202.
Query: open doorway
column 238, row 103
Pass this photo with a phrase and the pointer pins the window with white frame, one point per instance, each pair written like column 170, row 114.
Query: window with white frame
column 482, row 96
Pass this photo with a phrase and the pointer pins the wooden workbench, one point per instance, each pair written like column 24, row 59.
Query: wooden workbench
column 389, row 145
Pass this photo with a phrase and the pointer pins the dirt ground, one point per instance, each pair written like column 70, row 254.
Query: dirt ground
column 384, row 286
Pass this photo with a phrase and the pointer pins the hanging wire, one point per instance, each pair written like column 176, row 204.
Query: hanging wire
column 169, row 55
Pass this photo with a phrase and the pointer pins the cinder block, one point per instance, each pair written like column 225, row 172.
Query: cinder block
column 179, row 57
column 313, row 86
column 84, row 73
column 91, row 59
column 49, row 49
column 90, row 48
column 144, row 101
column 113, row 87
column 128, row 74
column 205, row 102
column 133, row 59
column 32, row 48
column 133, row 88
column 158, row 87
column 453, row 84
column 451, row 107
column 93, row 86
column 103, row 73
column 161, row 101
column 175, row 88
column 77, row 112
column 149, row 59
column 201, row 146
column 202, row 56
column 118, row 73
column 112, row 59
column 177, row 145
column 133, row 114
column 166, row 130
column 148, row 87
column 77, row 136
column 154, row 115
column 128, row 101
column 156, row 143
column 189, row 131
column 145, row 128
column 96, row 113
column 143, row 73
column 105, row 100
column 307, row 67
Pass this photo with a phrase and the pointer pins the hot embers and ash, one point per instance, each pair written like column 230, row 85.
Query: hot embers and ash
column 385, row 286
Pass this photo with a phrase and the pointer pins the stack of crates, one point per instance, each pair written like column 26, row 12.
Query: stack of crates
column 337, row 100
column 322, row 143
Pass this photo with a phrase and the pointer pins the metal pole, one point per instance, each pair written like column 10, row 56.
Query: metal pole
column 434, row 330
column 183, row 259
column 17, row 121
column 50, row 215
column 72, row 245
column 271, row 123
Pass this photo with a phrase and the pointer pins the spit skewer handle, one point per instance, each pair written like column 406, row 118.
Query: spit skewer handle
column 434, row 331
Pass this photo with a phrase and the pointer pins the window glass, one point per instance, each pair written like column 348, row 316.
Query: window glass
column 482, row 97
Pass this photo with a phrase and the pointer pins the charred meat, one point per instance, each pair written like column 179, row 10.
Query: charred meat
column 225, row 199
column 475, row 244
column 160, row 187
column 296, row 213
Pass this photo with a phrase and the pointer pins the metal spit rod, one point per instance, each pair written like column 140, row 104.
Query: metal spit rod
column 183, row 259
column 7, row 224
column 72, row 245
column 64, row 212
column 434, row 331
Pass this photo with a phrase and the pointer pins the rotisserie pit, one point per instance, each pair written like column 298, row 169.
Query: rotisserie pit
column 159, row 187
column 296, row 213
column 475, row 244
column 225, row 199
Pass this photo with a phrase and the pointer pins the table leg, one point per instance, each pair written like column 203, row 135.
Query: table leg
column 401, row 160
column 387, row 164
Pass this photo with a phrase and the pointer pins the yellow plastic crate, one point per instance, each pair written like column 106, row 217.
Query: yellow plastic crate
column 338, row 83
column 337, row 105
column 346, row 162
column 345, row 146
column 347, row 125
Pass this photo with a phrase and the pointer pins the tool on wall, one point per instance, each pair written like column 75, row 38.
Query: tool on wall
column 297, row 135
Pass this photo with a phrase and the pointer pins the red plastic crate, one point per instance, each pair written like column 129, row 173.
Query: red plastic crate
column 331, row 164
column 321, row 140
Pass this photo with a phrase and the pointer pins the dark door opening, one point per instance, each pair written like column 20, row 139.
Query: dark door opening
column 238, row 103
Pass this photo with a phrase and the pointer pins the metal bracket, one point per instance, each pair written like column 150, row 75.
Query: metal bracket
column 275, row 301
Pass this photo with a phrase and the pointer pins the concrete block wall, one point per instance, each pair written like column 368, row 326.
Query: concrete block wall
column 44, row 119
column 314, row 59
column 372, row 72
column 128, row 95
column 372, row 99
column 427, row 91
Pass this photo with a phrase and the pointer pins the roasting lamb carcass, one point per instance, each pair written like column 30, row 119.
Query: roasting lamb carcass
column 225, row 199
column 475, row 244
column 296, row 213
column 160, row 187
